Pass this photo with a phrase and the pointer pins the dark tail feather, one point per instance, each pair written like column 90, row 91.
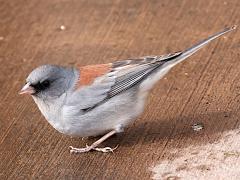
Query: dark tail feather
column 188, row 52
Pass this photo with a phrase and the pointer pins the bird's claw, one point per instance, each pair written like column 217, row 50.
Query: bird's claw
column 89, row 148
column 105, row 149
column 80, row 150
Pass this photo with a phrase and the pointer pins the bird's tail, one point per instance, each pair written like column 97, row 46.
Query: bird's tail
column 188, row 52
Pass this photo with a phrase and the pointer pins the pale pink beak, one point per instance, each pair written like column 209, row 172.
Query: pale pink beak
column 27, row 89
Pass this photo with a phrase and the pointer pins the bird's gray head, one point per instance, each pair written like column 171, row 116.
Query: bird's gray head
column 48, row 82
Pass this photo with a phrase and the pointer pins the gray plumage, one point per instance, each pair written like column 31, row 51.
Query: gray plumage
column 112, row 101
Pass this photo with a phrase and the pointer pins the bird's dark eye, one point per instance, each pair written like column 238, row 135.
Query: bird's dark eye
column 41, row 86
column 45, row 84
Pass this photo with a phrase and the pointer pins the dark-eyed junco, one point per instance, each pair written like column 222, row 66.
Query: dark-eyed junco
column 100, row 99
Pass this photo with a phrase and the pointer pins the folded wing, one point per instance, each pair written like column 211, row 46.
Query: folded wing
column 99, row 83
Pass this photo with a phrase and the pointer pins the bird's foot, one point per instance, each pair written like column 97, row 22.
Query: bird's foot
column 89, row 148
column 80, row 150
column 105, row 149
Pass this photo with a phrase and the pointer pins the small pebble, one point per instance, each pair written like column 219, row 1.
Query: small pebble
column 186, row 74
column 225, row 115
column 62, row 27
column 197, row 126
column 1, row 38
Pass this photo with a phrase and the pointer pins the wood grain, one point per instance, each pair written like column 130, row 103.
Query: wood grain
column 205, row 88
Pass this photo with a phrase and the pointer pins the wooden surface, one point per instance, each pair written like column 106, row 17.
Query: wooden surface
column 205, row 88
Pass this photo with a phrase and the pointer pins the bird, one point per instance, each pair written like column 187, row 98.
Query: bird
column 103, row 99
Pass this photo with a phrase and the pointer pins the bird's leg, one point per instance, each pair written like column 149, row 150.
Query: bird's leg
column 95, row 144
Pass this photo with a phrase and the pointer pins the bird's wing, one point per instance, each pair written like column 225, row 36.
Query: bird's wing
column 133, row 71
column 99, row 83
column 104, row 81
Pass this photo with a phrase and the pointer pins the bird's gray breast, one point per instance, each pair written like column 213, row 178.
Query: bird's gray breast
column 52, row 111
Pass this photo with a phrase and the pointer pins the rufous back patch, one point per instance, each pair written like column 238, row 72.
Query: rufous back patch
column 89, row 73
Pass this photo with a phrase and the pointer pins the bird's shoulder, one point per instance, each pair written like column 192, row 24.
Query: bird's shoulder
column 90, row 73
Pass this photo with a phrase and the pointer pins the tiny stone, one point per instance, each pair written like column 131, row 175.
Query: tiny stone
column 1, row 38
column 197, row 126
column 225, row 3
column 62, row 27
column 186, row 74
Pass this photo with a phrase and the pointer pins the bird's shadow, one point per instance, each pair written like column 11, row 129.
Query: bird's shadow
column 157, row 130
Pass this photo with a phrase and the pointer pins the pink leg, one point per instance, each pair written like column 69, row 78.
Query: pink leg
column 95, row 144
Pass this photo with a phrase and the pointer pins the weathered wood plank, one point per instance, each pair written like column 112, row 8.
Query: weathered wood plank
column 203, row 89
